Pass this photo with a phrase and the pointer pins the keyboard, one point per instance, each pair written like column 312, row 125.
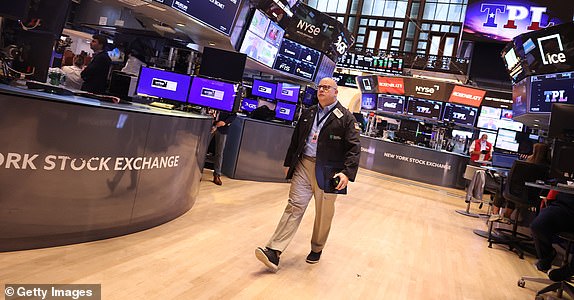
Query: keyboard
column 162, row 105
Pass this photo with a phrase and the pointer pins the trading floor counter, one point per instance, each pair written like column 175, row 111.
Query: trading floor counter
column 413, row 162
column 74, row 169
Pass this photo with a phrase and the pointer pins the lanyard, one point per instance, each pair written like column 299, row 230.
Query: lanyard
column 320, row 121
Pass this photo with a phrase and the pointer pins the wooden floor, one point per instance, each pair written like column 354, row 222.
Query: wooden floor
column 391, row 239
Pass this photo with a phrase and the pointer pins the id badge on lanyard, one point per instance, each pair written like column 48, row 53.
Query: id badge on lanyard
column 314, row 137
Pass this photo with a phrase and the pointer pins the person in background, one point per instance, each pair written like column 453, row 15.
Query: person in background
column 325, row 142
column 480, row 150
column 540, row 157
column 95, row 75
column 73, row 73
column 221, row 123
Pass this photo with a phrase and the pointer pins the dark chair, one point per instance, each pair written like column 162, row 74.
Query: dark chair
column 560, row 286
column 523, row 198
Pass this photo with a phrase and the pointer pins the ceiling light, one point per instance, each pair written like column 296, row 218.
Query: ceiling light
column 536, row 120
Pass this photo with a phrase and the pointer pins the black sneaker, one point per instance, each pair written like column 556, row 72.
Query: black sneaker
column 313, row 257
column 561, row 274
column 544, row 264
column 268, row 257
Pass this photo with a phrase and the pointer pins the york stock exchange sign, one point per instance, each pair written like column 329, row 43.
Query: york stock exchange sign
column 427, row 89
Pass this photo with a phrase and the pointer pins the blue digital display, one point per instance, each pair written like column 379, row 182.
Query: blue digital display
column 287, row 92
column 212, row 93
column 368, row 101
column 163, row 84
column 285, row 111
column 264, row 89
column 248, row 105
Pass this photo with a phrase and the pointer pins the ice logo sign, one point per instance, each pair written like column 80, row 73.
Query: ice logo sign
column 551, row 58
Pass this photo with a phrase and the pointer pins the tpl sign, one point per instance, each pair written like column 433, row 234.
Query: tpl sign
column 514, row 13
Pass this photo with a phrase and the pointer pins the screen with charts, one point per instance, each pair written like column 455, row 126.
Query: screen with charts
column 490, row 112
column 163, row 84
column 506, row 140
column 262, row 39
column 213, row 94
column 487, row 123
column 297, row 59
column 424, row 108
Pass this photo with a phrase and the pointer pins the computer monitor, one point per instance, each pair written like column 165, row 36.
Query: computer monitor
column 248, row 105
column 491, row 135
column 264, row 89
column 490, row 112
column 287, row 92
column 465, row 134
column 285, row 111
column 561, row 122
column 368, row 101
column 506, row 140
column 562, row 165
column 213, row 59
column 501, row 160
column 487, row 123
column 162, row 84
column 213, row 94
column 310, row 96
column 460, row 114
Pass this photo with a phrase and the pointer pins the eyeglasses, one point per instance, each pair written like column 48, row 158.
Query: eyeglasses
column 325, row 87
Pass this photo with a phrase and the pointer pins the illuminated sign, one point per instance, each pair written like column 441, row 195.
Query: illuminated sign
column 467, row 96
column 391, row 85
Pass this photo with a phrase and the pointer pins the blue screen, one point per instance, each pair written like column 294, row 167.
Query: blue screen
column 163, row 84
column 287, row 92
column 212, row 93
column 368, row 101
column 248, row 105
column 264, row 89
column 285, row 111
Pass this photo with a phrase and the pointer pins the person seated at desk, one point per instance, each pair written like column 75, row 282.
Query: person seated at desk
column 540, row 157
column 557, row 217
column 73, row 73
column 95, row 75
column 480, row 150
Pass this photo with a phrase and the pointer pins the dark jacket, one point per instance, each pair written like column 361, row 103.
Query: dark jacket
column 95, row 75
column 227, row 118
column 338, row 145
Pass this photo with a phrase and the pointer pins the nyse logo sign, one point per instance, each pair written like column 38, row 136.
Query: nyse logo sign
column 552, row 58
column 514, row 13
column 556, row 96
column 427, row 90
column 308, row 28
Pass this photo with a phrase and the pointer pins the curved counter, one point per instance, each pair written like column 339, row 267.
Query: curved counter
column 413, row 162
column 74, row 169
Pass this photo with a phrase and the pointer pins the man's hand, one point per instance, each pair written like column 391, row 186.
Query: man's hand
column 343, row 181
column 219, row 124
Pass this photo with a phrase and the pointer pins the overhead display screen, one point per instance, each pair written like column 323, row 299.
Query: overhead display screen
column 368, row 84
column 391, row 85
column 297, row 59
column 212, row 93
column 371, row 63
column 262, row 39
column 424, row 108
column 549, row 89
column 264, row 89
column 325, row 69
column 503, row 20
column 163, row 84
column 248, row 105
column 426, row 89
column 506, row 140
column 460, row 114
column 490, row 112
column 219, row 14
column 466, row 96
column 391, row 103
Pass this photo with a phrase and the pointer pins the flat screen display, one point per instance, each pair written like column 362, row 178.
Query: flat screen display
column 219, row 14
column 296, row 59
column 248, row 105
column 490, row 112
column 510, row 125
column 368, row 84
column 310, row 96
column 212, row 93
column 424, row 108
column 391, row 103
column 163, row 84
column 459, row 114
column 212, row 59
column 287, row 92
column 258, row 49
column 506, row 114
column 491, row 135
column 487, row 123
column 285, row 111
column 325, row 69
column 549, row 89
column 466, row 134
column 368, row 101
column 393, row 65
column 466, row 96
column 264, row 89
column 506, row 140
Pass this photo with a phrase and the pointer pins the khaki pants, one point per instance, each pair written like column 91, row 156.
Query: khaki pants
column 303, row 187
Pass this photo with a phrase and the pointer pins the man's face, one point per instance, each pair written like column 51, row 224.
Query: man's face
column 327, row 90
column 95, row 45
column 484, row 137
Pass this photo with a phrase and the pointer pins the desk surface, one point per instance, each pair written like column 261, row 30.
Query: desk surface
column 562, row 188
